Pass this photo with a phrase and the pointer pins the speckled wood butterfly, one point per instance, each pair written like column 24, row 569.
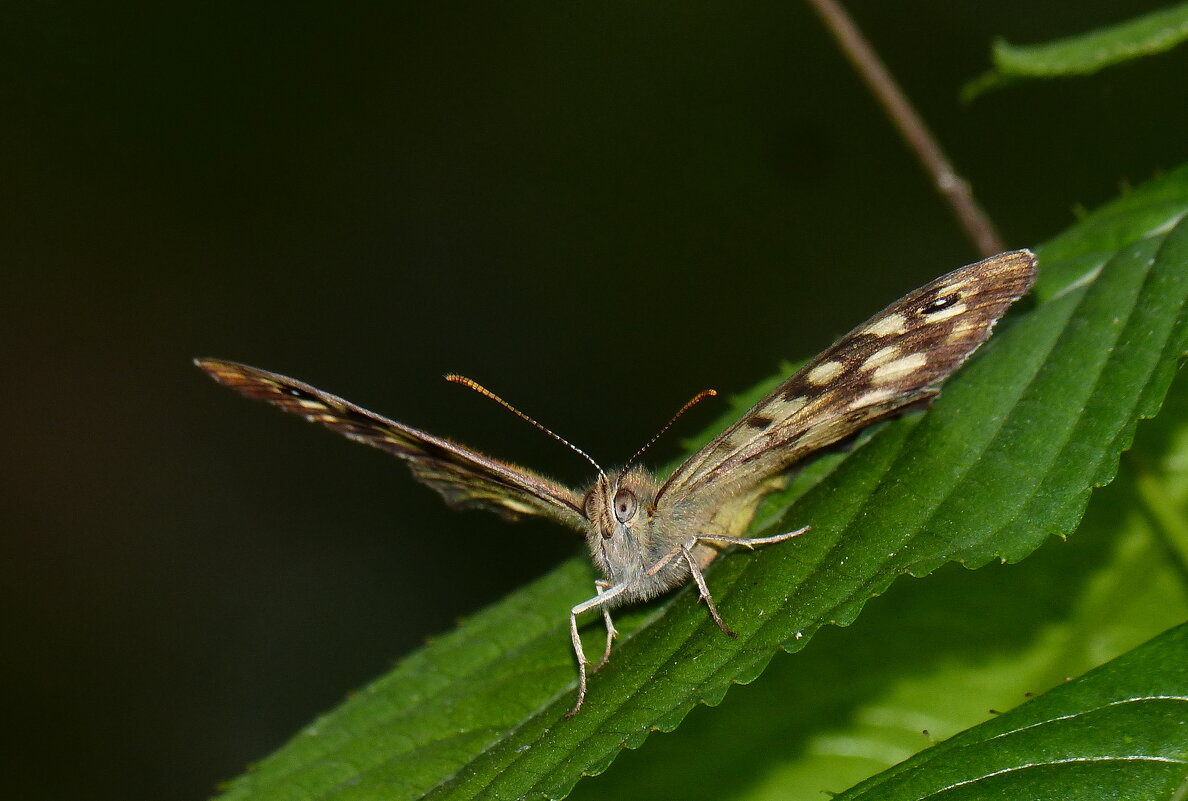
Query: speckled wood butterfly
column 648, row 535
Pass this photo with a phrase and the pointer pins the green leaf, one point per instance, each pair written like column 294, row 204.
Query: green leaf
column 1007, row 457
column 947, row 650
column 1119, row 732
column 1084, row 53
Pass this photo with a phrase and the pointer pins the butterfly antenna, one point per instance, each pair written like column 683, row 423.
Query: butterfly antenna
column 453, row 378
column 696, row 399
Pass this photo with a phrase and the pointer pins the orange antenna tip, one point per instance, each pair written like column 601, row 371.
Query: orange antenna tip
column 696, row 399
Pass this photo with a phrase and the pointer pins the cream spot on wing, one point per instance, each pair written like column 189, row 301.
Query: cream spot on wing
column 962, row 332
column 897, row 369
column 781, row 409
column 879, row 357
column 873, row 397
column 891, row 324
column 312, row 405
column 824, row 373
column 958, row 338
column 787, row 408
column 945, row 314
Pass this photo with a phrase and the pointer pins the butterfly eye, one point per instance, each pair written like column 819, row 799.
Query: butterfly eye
column 624, row 505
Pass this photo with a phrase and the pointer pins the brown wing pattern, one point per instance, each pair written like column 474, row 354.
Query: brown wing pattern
column 462, row 476
column 896, row 358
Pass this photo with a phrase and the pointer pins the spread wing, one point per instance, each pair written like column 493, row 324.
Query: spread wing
column 464, row 477
column 895, row 359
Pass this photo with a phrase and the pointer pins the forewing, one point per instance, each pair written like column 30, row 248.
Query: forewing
column 462, row 476
column 897, row 358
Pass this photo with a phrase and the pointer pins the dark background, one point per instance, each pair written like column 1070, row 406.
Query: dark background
column 597, row 209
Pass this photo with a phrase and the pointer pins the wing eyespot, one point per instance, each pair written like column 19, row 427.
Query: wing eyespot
column 940, row 304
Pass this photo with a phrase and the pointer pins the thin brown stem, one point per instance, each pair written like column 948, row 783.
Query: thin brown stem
column 951, row 186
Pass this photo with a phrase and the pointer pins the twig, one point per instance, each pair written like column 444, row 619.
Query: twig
column 952, row 187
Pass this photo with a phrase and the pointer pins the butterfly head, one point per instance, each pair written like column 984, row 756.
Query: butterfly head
column 619, row 508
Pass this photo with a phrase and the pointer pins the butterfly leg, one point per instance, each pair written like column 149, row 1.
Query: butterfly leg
column 694, row 570
column 611, row 631
column 664, row 561
column 703, row 590
column 599, row 601
column 753, row 542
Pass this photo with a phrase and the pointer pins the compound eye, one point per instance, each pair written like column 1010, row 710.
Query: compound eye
column 624, row 505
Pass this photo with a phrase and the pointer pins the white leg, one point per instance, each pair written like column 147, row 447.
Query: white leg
column 663, row 561
column 695, row 571
column 598, row 601
column 608, row 592
column 611, row 631
column 752, row 542
column 703, row 590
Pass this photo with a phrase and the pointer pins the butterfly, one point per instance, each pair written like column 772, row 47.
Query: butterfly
column 648, row 535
